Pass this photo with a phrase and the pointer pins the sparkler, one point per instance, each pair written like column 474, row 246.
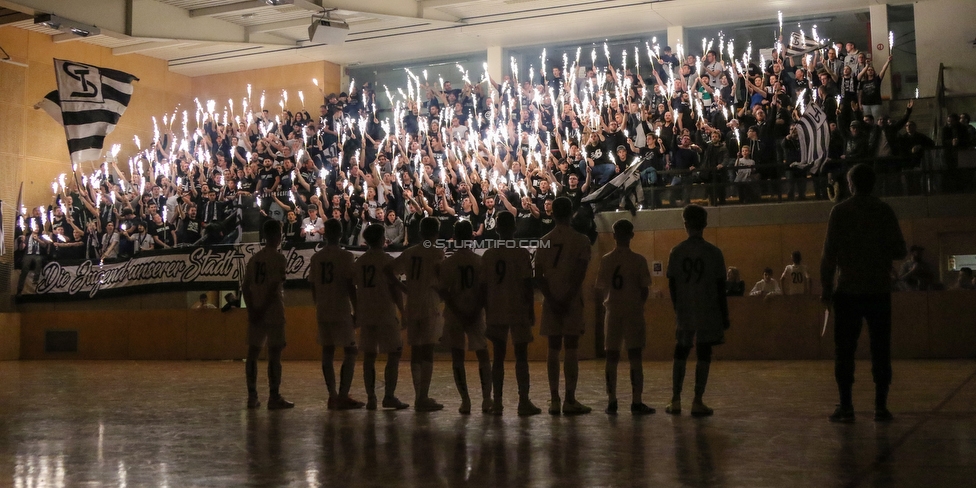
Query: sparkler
column 891, row 41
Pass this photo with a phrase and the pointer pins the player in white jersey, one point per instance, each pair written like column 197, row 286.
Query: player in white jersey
column 560, row 267
column 459, row 284
column 624, row 281
column 509, row 305
column 330, row 274
column 263, row 290
column 795, row 279
column 696, row 279
column 378, row 300
column 423, row 317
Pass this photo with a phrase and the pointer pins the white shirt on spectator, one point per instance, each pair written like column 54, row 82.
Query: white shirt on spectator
column 765, row 288
column 313, row 229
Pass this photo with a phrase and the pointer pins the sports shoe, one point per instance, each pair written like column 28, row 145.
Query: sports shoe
column 641, row 409
column 611, row 408
column 371, row 402
column 253, row 402
column 394, row 402
column 883, row 415
column 348, row 403
column 497, row 408
column 698, row 409
column 555, row 407
column 844, row 415
column 673, row 408
column 279, row 403
column 527, row 408
column 427, row 405
column 486, row 405
column 465, row 407
column 575, row 408
column 331, row 404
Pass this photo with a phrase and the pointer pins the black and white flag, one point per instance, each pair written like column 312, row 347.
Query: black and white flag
column 800, row 45
column 814, row 137
column 89, row 102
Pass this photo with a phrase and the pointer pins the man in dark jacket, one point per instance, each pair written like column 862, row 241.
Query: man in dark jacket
column 863, row 238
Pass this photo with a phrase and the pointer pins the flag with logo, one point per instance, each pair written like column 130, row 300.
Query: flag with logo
column 814, row 131
column 89, row 102
column 801, row 44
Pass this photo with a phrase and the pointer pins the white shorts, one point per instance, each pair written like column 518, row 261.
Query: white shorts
column 425, row 331
column 568, row 323
column 382, row 339
column 629, row 334
column 340, row 334
column 455, row 332
column 521, row 333
column 257, row 334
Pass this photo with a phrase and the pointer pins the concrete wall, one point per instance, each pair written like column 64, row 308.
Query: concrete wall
column 271, row 81
column 944, row 34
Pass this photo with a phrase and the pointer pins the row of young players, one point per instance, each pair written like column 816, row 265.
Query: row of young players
column 485, row 297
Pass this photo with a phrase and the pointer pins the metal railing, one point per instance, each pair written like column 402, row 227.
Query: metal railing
column 932, row 172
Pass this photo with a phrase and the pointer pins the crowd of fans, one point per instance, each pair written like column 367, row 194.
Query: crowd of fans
column 486, row 147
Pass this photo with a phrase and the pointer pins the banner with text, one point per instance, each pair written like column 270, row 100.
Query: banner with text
column 198, row 268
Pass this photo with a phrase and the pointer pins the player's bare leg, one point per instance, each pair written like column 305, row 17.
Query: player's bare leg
column 251, row 373
column 275, row 400
column 369, row 379
column 552, row 370
column 571, row 367
column 392, row 374
column 328, row 372
column 484, row 374
column 525, row 405
column 613, row 359
column 678, row 378
column 460, row 380
column 637, row 406
column 698, row 408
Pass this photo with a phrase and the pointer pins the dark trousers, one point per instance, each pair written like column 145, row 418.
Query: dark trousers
column 850, row 312
column 32, row 263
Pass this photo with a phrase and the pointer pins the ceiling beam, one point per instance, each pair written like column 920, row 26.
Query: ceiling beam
column 426, row 4
column 383, row 9
column 149, row 46
column 232, row 8
column 274, row 26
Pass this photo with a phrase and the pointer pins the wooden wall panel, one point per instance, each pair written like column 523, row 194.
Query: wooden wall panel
column 9, row 336
column 952, row 324
column 159, row 335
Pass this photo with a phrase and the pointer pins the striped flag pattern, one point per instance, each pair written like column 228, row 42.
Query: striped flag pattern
column 89, row 102
column 800, row 45
column 814, row 137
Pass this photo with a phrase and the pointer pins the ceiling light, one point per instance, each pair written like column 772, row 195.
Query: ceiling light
column 66, row 25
